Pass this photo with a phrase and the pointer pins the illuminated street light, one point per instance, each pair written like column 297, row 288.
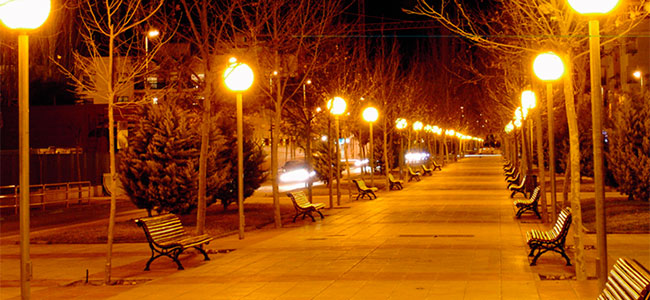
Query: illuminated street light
column 337, row 106
column 594, row 8
column 238, row 77
column 550, row 67
column 24, row 15
column 528, row 100
column 152, row 33
column 638, row 75
column 371, row 114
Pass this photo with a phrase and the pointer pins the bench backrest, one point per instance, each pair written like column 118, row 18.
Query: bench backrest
column 534, row 197
column 411, row 171
column 391, row 178
column 424, row 167
column 628, row 279
column 360, row 184
column 162, row 229
column 299, row 199
column 561, row 228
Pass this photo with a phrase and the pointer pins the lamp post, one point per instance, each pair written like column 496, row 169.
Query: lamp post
column 519, row 119
column 594, row 8
column 638, row 75
column 370, row 114
column 400, row 124
column 152, row 33
column 238, row 78
column 308, row 156
column 337, row 106
column 417, row 126
column 549, row 67
column 24, row 15
column 529, row 101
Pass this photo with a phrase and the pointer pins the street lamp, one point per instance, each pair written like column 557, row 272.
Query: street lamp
column 238, row 78
column 638, row 75
column 337, row 106
column 549, row 67
column 24, row 15
column 401, row 124
column 152, row 33
column 594, row 8
column 370, row 114
column 417, row 126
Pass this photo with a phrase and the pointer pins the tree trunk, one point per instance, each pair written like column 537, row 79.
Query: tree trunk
column 203, row 156
column 111, row 151
column 277, row 217
column 574, row 144
column 386, row 162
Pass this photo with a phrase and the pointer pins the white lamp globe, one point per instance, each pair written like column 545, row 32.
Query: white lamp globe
column 336, row 106
column 548, row 66
column 238, row 77
column 24, row 14
column 370, row 114
column 593, row 6
column 528, row 99
column 401, row 123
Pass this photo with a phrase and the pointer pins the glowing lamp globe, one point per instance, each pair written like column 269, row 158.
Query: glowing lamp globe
column 637, row 74
column 24, row 14
column 528, row 99
column 370, row 114
column 593, row 6
column 517, row 123
column 336, row 106
column 417, row 126
column 401, row 123
column 548, row 66
column 518, row 113
column 238, row 77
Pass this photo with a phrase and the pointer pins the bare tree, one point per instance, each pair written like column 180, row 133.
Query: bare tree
column 107, row 31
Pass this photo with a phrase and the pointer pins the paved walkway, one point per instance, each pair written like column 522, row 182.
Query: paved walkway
column 450, row 236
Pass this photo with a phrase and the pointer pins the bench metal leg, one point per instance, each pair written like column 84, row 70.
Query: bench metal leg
column 321, row 215
column 205, row 254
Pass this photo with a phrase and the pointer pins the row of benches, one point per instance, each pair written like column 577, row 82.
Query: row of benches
column 628, row 279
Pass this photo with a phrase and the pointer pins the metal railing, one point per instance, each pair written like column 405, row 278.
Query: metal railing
column 49, row 193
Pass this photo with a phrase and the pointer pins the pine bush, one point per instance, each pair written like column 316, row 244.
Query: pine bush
column 629, row 147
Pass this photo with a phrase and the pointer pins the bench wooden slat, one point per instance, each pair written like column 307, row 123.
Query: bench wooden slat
column 627, row 280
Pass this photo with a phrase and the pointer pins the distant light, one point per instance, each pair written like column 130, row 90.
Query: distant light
column 153, row 33
column 308, row 81
column 296, row 175
column 370, row 114
column 417, row 126
column 637, row 74
column 155, row 100
column 323, row 138
column 528, row 100
column 318, row 109
column 401, row 123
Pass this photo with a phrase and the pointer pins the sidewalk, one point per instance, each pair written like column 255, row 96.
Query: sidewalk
column 451, row 236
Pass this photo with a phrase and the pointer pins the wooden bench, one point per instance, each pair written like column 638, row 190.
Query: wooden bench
column 303, row 207
column 364, row 190
column 518, row 188
column 436, row 165
column 167, row 237
column 426, row 171
column 413, row 175
column 394, row 183
column 628, row 279
column 511, row 173
column 530, row 204
column 541, row 242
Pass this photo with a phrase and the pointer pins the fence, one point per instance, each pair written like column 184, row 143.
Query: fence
column 43, row 194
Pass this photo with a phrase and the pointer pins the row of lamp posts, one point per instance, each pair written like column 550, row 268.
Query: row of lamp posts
column 549, row 67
